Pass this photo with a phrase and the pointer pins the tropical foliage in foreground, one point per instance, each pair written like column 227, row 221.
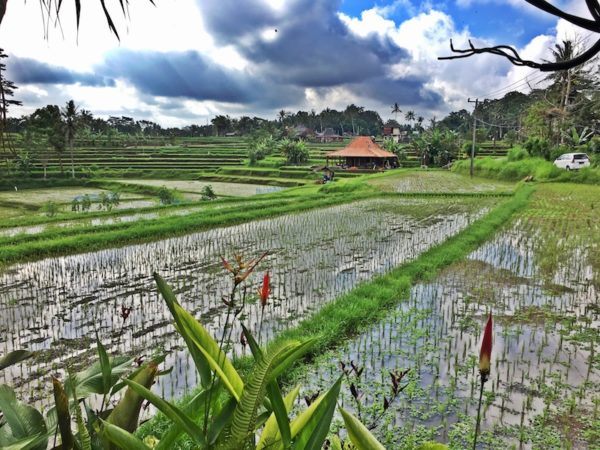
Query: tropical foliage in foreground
column 230, row 411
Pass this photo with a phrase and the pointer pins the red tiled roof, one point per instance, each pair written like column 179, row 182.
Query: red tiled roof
column 362, row 147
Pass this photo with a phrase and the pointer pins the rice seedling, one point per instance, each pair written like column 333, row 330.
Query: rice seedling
column 50, row 306
column 543, row 387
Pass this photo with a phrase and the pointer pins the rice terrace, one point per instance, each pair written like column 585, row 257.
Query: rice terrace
column 207, row 242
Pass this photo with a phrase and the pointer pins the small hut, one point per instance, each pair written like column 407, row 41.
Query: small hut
column 362, row 152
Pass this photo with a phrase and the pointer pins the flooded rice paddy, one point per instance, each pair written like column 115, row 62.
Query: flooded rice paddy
column 438, row 181
column 56, row 306
column 544, row 388
column 191, row 189
column 38, row 197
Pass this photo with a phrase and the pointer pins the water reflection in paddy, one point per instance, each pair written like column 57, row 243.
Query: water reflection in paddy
column 57, row 304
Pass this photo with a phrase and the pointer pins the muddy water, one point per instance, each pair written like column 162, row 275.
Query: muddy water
column 56, row 306
column 546, row 327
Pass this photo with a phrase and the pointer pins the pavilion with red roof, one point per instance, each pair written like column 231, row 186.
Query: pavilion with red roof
column 363, row 152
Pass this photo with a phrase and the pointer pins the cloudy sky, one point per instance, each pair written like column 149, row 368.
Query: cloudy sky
column 184, row 61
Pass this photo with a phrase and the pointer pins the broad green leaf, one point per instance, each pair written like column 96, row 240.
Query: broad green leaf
column 171, row 411
column 280, row 411
column 336, row 444
column 61, row 401
column 285, row 360
column 90, row 381
column 254, row 347
column 193, row 409
column 127, row 412
column 14, row 357
column 121, row 438
column 216, row 358
column 105, row 367
column 25, row 444
column 245, row 416
column 24, row 421
column 315, row 430
column 221, row 420
column 200, row 362
column 220, row 372
column 271, row 433
column 360, row 436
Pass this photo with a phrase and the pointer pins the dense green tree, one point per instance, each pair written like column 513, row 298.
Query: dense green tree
column 221, row 124
column 7, row 90
column 49, row 118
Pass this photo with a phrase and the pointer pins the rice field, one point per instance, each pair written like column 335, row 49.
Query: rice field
column 437, row 181
column 544, row 388
column 37, row 197
column 191, row 189
column 53, row 306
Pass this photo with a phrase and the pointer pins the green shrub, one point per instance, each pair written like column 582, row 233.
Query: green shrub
column 166, row 196
column 208, row 193
column 50, row 208
column 537, row 146
column 467, row 146
column 294, row 152
column 511, row 137
column 517, row 154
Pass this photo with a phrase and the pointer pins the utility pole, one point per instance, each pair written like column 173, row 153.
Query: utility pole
column 476, row 101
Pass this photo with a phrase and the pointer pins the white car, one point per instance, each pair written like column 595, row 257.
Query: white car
column 572, row 161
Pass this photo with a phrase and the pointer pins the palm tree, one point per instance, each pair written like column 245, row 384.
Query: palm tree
column 282, row 115
column 410, row 116
column 70, row 116
column 420, row 120
column 51, row 10
column 395, row 110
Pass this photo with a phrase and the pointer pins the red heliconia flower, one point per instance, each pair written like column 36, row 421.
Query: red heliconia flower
column 226, row 265
column 265, row 290
column 485, row 355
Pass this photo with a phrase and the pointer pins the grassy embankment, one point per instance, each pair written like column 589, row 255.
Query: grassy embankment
column 83, row 237
column 59, row 241
column 366, row 304
column 512, row 170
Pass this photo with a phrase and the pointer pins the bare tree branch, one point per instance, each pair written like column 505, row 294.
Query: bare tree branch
column 513, row 56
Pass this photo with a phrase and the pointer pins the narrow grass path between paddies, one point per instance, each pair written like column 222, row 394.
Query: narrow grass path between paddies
column 175, row 208
column 368, row 303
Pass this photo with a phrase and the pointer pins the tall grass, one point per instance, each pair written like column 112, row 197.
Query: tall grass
column 538, row 168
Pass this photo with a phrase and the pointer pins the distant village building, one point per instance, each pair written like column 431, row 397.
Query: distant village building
column 391, row 130
column 303, row 132
column 363, row 152
column 329, row 135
